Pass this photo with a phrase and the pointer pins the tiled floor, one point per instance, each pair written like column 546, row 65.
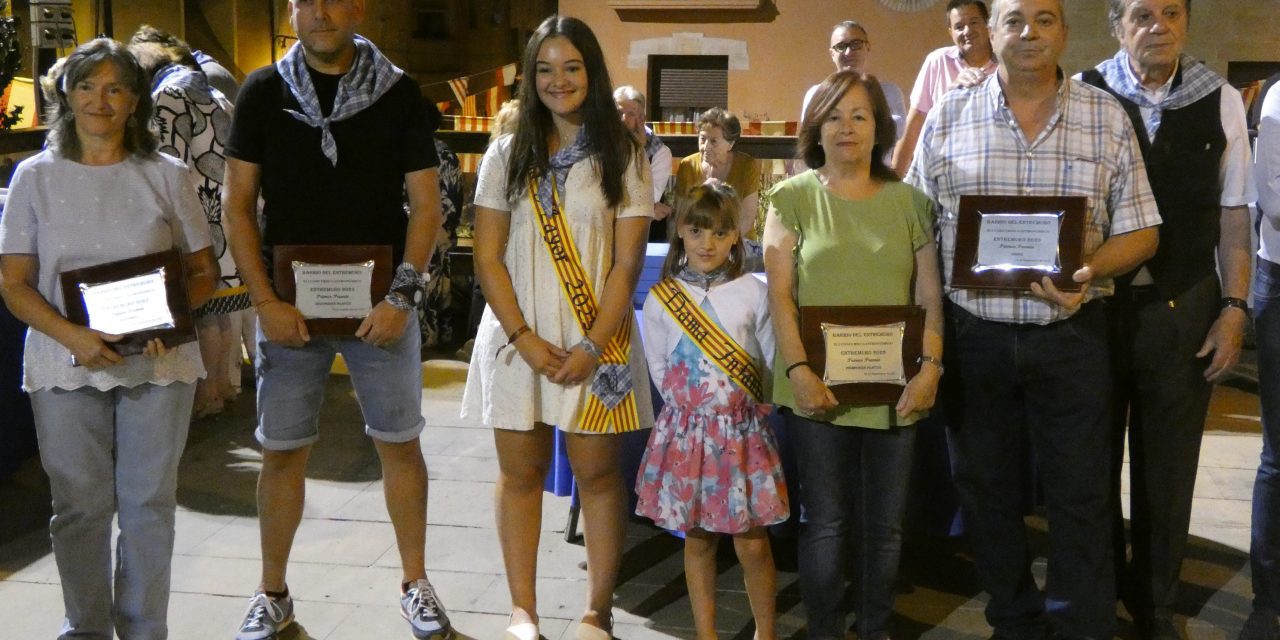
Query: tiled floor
column 344, row 566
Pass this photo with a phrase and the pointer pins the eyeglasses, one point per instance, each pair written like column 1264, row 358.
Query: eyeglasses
column 849, row 45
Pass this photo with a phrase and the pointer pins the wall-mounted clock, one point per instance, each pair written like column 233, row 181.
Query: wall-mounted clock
column 908, row 6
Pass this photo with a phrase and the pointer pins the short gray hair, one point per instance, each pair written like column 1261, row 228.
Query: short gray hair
column 996, row 5
column 1115, row 12
column 628, row 92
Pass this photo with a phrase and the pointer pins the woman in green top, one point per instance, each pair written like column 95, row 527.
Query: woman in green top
column 848, row 233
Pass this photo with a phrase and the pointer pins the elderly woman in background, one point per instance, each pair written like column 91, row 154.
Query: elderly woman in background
column 192, row 121
column 718, row 132
column 111, row 432
column 848, row 233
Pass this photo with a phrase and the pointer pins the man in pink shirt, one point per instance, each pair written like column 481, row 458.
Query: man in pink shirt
column 964, row 64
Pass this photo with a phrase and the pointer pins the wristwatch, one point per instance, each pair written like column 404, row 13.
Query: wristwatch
column 405, row 298
column 1238, row 303
column 406, row 288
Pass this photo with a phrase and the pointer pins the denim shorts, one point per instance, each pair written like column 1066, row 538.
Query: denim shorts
column 291, row 383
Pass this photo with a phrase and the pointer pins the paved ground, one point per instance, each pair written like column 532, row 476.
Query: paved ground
column 344, row 570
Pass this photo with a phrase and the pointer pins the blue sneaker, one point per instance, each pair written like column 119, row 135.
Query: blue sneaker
column 427, row 617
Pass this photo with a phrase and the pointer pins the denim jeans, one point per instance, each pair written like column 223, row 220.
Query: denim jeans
column 112, row 454
column 1264, row 547
column 853, row 484
column 291, row 383
column 1049, row 385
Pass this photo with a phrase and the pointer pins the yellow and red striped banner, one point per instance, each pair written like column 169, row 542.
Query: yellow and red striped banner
column 719, row 347
column 596, row 416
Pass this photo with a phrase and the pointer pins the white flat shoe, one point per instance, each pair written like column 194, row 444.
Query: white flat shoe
column 522, row 631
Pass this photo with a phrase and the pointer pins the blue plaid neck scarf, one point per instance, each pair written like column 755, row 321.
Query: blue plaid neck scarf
column 1197, row 82
column 371, row 75
column 561, row 162
column 705, row 280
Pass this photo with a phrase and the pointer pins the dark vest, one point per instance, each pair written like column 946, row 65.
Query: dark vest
column 1182, row 164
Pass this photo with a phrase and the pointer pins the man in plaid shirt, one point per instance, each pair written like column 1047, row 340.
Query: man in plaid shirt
column 1033, row 365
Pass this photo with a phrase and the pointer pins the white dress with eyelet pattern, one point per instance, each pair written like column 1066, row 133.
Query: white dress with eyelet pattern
column 502, row 391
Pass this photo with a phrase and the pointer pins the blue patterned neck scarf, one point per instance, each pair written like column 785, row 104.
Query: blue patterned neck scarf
column 561, row 162
column 370, row 77
column 1197, row 82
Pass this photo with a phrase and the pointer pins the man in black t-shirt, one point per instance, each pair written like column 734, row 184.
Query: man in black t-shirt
column 329, row 136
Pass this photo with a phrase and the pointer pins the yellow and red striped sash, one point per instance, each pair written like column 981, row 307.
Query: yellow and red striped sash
column 597, row 414
column 718, row 346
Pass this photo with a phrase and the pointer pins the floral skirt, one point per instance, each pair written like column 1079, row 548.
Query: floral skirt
column 718, row 471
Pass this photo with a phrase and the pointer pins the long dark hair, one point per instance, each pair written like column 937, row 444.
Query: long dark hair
column 611, row 146
column 62, row 137
column 825, row 99
column 715, row 206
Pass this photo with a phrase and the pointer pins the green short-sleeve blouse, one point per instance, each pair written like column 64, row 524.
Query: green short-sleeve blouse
column 852, row 252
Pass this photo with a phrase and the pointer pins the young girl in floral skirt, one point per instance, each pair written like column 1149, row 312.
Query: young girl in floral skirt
column 711, row 466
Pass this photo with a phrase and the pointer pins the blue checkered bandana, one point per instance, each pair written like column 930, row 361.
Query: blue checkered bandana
column 371, row 75
column 561, row 162
column 1198, row 81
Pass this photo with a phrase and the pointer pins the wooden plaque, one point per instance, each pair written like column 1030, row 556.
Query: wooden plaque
column 811, row 320
column 966, row 273
column 175, row 284
column 284, row 255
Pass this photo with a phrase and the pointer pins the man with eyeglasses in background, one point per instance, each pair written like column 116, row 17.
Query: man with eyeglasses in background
column 850, row 48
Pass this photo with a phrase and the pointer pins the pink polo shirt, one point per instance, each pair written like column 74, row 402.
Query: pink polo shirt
column 939, row 70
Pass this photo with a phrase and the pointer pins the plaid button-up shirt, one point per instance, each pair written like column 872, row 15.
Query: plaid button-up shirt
column 972, row 145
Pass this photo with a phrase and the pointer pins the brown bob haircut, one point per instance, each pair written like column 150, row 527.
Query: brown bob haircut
column 824, row 101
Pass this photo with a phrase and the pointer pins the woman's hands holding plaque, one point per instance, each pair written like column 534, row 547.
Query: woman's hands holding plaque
column 813, row 397
column 92, row 349
column 154, row 348
column 921, row 391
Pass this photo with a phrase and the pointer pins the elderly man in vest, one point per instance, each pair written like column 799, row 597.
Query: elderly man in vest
column 1179, row 319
